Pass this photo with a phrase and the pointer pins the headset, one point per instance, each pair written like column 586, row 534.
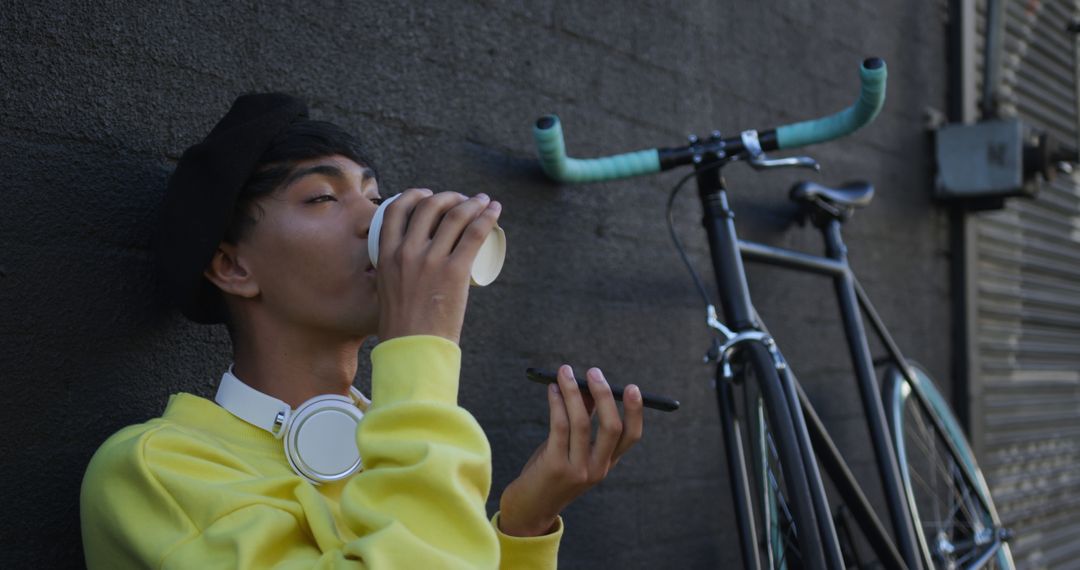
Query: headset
column 319, row 435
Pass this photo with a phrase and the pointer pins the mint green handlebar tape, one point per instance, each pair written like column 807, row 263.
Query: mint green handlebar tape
column 552, row 149
column 871, row 100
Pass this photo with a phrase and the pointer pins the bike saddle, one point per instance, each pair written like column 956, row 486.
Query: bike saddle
column 850, row 195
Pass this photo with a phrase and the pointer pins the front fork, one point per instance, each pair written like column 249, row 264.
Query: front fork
column 723, row 354
column 733, row 440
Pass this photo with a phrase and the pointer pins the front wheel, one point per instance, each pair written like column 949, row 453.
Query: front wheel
column 955, row 520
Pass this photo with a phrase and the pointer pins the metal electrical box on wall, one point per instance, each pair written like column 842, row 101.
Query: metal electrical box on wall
column 982, row 160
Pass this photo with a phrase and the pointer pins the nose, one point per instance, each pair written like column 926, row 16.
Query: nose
column 364, row 213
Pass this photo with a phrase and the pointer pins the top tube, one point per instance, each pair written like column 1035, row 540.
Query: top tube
column 552, row 147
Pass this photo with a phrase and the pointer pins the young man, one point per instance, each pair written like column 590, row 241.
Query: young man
column 265, row 228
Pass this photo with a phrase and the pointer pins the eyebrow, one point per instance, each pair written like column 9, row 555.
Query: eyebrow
column 328, row 170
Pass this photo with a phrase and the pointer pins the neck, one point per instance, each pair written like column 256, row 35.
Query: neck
column 295, row 365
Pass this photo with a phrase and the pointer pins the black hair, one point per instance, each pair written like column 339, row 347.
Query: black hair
column 303, row 140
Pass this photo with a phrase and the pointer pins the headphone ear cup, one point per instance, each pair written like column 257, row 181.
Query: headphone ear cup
column 320, row 439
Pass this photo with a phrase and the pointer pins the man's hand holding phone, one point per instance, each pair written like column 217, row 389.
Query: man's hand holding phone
column 569, row 463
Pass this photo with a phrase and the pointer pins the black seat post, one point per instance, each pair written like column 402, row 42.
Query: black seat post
column 834, row 241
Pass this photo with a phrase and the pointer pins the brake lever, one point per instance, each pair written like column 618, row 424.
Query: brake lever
column 761, row 162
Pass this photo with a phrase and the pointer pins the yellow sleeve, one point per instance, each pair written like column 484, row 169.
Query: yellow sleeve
column 157, row 497
column 419, row 502
column 529, row 553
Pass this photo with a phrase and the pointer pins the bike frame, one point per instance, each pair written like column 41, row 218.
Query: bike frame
column 797, row 432
column 728, row 253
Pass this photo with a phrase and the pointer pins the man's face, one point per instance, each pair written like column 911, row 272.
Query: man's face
column 308, row 249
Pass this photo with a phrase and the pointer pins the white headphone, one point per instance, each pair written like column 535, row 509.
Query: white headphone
column 320, row 435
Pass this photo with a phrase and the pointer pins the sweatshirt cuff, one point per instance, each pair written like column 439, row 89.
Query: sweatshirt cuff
column 529, row 552
column 415, row 368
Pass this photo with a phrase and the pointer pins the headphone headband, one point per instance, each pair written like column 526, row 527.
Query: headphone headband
column 258, row 409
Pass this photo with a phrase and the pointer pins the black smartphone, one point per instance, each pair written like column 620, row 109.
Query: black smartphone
column 662, row 403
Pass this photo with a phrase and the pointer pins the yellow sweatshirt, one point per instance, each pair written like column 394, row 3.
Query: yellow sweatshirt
column 201, row 489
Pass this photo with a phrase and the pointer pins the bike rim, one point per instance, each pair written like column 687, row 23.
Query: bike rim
column 954, row 524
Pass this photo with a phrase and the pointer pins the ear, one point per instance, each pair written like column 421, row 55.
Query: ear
column 230, row 273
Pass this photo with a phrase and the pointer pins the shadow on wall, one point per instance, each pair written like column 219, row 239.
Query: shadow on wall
column 82, row 328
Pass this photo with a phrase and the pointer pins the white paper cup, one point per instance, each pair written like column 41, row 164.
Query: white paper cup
column 486, row 266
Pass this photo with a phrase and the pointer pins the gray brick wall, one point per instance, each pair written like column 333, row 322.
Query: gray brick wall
column 100, row 99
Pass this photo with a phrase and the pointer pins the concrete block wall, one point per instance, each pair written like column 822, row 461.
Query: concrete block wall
column 99, row 100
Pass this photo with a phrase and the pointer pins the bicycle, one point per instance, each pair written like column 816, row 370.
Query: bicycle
column 940, row 509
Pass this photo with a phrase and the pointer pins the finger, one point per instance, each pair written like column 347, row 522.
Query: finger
column 456, row 223
column 476, row 232
column 558, row 422
column 396, row 219
column 611, row 426
column 580, row 425
column 633, row 421
column 429, row 215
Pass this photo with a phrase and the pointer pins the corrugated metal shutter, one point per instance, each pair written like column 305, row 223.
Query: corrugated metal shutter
column 1026, row 366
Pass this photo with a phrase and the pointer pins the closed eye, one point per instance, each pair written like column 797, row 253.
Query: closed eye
column 321, row 199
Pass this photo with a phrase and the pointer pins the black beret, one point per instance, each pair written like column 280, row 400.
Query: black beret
column 201, row 197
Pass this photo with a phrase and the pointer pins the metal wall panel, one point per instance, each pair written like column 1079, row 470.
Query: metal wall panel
column 1026, row 287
